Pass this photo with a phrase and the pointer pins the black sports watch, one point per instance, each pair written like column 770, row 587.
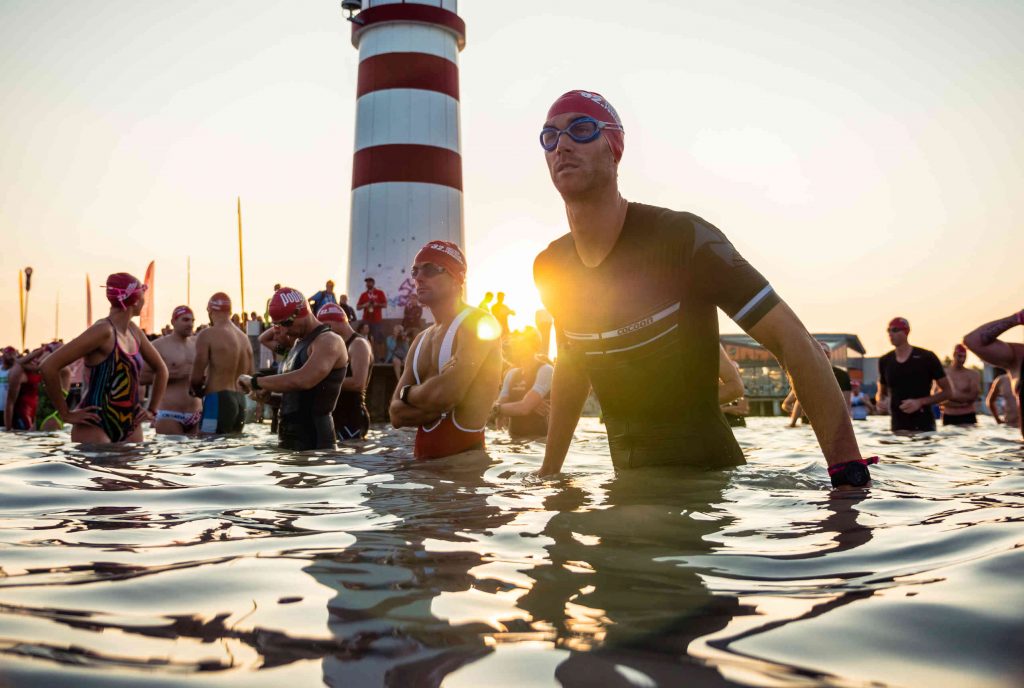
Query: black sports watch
column 403, row 396
column 854, row 473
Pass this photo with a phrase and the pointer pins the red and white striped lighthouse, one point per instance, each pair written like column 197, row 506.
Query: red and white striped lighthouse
column 407, row 166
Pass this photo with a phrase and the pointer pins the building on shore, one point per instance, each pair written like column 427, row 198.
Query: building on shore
column 764, row 379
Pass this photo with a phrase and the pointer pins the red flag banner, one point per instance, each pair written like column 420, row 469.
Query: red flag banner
column 146, row 316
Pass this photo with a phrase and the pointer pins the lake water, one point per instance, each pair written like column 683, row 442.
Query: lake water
column 229, row 563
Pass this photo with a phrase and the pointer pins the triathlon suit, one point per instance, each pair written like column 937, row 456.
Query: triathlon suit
column 735, row 420
column 517, row 387
column 911, row 379
column 643, row 325
column 351, row 417
column 188, row 421
column 858, row 406
column 445, row 437
column 306, row 421
column 24, row 417
column 114, row 390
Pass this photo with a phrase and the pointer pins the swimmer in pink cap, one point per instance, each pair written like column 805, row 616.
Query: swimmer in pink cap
column 223, row 352
column 453, row 370
column 179, row 412
column 634, row 291
column 114, row 350
column 311, row 375
column 965, row 391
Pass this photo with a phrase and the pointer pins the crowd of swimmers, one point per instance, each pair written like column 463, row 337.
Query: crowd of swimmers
column 633, row 291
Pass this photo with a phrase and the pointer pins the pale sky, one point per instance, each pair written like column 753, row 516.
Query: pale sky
column 865, row 157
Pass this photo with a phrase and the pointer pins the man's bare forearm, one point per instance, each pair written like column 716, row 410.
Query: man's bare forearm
column 569, row 390
column 404, row 416
column 820, row 397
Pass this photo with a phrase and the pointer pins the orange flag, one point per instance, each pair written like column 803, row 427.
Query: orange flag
column 88, row 302
column 146, row 316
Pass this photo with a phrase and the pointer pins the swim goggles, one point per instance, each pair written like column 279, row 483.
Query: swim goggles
column 427, row 270
column 287, row 322
column 580, row 130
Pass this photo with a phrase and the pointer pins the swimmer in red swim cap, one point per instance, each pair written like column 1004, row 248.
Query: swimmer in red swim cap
column 905, row 377
column 634, row 290
column 453, row 370
column 223, row 352
column 179, row 412
column 965, row 391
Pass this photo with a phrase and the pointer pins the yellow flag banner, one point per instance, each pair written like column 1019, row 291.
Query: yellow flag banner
column 88, row 302
column 146, row 315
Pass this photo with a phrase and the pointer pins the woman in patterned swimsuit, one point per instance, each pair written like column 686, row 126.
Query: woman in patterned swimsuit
column 113, row 349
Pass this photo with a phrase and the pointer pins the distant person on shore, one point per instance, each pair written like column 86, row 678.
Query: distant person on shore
column 311, row 375
column 526, row 389
column 905, row 377
column 323, row 297
column 114, row 350
column 266, row 307
column 501, row 313
column 222, row 354
column 350, row 312
column 412, row 314
column 398, row 350
column 986, row 345
column 179, row 412
column 454, row 370
column 842, row 378
column 485, row 304
column 351, row 417
column 965, row 388
column 633, row 290
column 730, row 391
column 372, row 303
column 7, row 359
column 1002, row 401
column 860, row 404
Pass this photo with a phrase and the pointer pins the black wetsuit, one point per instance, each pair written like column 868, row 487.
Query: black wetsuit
column 644, row 326
column 911, row 379
column 351, row 417
column 306, row 421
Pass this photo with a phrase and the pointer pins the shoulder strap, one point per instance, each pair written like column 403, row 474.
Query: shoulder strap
column 445, row 353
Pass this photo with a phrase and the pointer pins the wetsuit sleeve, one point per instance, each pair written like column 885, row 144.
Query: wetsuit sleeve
column 542, row 383
column 935, row 369
column 727, row 279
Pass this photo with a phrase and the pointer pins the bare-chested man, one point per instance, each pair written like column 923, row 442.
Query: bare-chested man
column 453, row 372
column 987, row 346
column 1008, row 411
column 179, row 412
column 965, row 388
column 222, row 354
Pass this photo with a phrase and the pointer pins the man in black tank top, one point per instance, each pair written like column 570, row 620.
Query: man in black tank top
column 634, row 290
column 310, row 378
column 985, row 343
column 351, row 417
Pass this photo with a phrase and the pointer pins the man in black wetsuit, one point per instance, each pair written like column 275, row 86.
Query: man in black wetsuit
column 986, row 345
column 634, row 291
column 311, row 374
column 905, row 377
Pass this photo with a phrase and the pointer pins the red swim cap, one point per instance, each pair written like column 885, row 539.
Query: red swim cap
column 332, row 312
column 593, row 105
column 219, row 303
column 899, row 324
column 124, row 290
column 960, row 349
column 180, row 311
column 286, row 303
column 447, row 255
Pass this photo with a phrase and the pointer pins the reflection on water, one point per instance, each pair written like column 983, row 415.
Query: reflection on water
column 229, row 562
